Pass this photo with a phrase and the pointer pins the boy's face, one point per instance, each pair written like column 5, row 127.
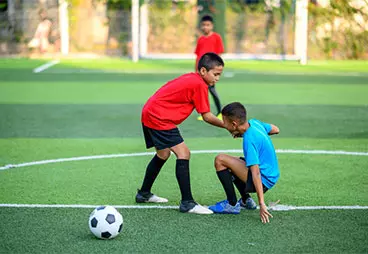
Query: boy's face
column 232, row 126
column 206, row 27
column 211, row 76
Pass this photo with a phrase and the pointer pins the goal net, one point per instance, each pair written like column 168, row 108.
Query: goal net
column 251, row 29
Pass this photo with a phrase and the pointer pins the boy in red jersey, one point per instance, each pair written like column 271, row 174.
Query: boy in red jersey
column 167, row 108
column 209, row 42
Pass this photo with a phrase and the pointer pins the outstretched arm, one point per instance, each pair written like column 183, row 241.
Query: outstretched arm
column 212, row 119
column 274, row 130
column 256, row 175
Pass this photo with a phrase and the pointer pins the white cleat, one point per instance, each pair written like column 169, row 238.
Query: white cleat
column 198, row 209
column 149, row 198
column 193, row 207
column 157, row 199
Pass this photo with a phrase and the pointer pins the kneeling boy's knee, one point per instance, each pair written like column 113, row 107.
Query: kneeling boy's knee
column 219, row 160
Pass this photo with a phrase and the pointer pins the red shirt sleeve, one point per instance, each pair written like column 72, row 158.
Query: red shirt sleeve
column 220, row 45
column 200, row 100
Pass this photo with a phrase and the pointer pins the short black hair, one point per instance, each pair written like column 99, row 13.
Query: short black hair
column 209, row 61
column 235, row 111
column 207, row 18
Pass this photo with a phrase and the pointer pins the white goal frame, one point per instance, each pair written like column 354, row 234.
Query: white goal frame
column 300, row 40
column 139, row 29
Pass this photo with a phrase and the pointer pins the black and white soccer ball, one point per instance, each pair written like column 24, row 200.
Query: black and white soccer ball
column 105, row 222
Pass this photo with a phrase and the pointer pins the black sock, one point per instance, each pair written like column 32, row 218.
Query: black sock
column 240, row 185
column 226, row 181
column 216, row 98
column 153, row 169
column 182, row 175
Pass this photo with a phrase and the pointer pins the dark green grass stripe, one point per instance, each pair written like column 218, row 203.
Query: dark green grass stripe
column 123, row 120
column 88, row 76
column 168, row 231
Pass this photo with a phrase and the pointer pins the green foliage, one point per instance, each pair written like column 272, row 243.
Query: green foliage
column 339, row 32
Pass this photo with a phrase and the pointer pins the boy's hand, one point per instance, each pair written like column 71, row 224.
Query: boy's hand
column 264, row 213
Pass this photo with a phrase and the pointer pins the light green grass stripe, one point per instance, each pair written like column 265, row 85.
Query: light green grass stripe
column 288, row 151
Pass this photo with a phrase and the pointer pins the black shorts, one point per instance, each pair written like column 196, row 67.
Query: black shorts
column 161, row 139
column 249, row 185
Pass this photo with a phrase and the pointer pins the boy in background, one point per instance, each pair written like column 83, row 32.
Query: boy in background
column 209, row 42
column 167, row 108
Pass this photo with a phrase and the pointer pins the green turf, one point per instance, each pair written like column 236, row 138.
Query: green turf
column 26, row 88
column 166, row 231
column 123, row 120
column 63, row 113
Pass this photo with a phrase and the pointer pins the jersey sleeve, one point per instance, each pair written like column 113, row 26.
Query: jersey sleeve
column 267, row 127
column 250, row 153
column 200, row 100
column 219, row 46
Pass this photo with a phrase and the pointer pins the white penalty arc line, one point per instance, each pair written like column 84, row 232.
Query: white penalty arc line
column 273, row 208
column 107, row 156
column 46, row 66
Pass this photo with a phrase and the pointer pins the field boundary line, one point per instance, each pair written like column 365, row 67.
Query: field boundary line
column 45, row 66
column 273, row 208
column 107, row 156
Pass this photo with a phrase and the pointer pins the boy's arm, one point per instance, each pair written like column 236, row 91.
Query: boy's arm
column 212, row 119
column 256, row 175
column 274, row 130
column 271, row 129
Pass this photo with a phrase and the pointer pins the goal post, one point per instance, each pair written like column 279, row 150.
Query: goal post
column 301, row 30
column 135, row 30
column 64, row 26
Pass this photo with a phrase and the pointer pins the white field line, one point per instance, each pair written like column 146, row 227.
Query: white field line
column 106, row 156
column 46, row 66
column 228, row 74
column 274, row 208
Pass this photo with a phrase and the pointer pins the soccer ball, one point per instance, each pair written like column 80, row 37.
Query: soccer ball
column 105, row 222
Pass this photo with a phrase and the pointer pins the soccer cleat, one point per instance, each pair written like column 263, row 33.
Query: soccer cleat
column 249, row 204
column 219, row 116
column 225, row 208
column 192, row 207
column 147, row 197
column 200, row 118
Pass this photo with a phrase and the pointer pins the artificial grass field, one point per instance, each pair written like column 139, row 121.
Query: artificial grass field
column 92, row 107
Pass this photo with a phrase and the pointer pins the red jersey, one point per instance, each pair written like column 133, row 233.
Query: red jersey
column 206, row 44
column 175, row 101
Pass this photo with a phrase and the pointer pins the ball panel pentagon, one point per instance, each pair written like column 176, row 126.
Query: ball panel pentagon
column 120, row 228
column 94, row 222
column 110, row 218
column 105, row 235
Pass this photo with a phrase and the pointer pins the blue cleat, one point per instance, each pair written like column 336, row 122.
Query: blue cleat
column 225, row 208
column 249, row 204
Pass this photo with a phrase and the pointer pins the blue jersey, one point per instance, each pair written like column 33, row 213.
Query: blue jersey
column 258, row 149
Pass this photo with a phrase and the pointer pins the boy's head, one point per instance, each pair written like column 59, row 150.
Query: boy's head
column 210, row 67
column 206, row 24
column 234, row 116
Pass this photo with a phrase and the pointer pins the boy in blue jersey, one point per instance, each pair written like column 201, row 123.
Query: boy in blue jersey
column 257, row 172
